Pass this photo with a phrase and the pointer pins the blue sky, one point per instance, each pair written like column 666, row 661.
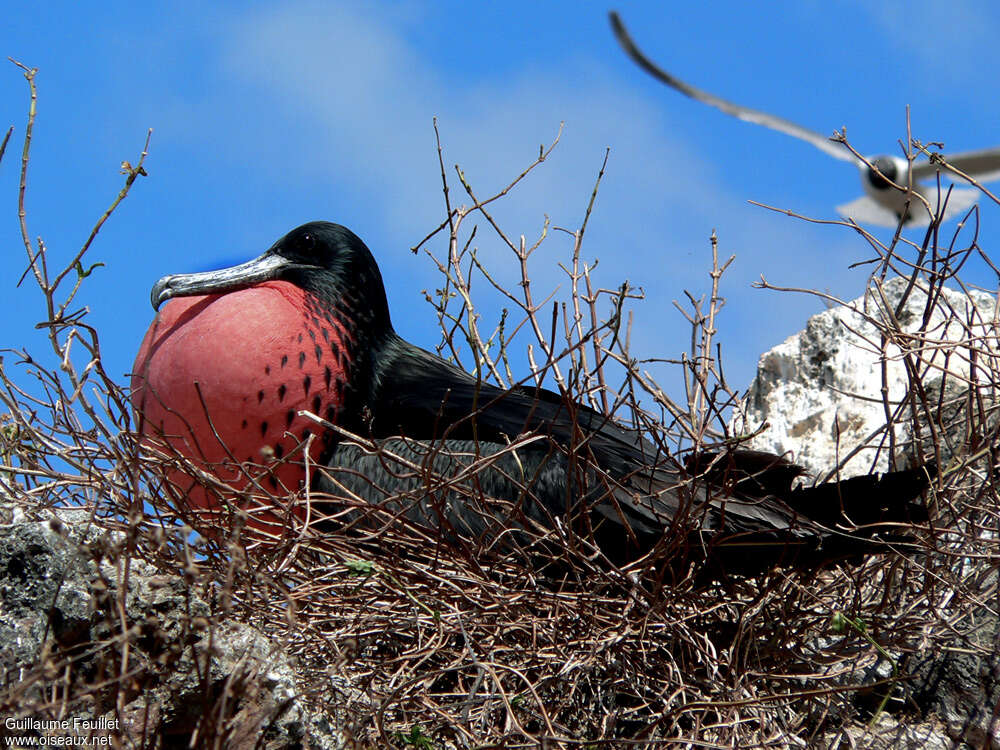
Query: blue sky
column 267, row 116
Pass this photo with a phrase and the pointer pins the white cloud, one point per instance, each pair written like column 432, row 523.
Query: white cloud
column 353, row 80
column 375, row 97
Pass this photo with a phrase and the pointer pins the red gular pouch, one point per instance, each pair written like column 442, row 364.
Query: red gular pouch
column 217, row 386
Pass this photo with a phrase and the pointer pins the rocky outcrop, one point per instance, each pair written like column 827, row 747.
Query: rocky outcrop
column 819, row 394
column 825, row 396
column 75, row 620
column 943, row 698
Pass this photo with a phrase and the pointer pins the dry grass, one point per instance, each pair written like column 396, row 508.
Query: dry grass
column 410, row 643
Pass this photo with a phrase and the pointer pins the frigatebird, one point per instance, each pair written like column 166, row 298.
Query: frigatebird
column 248, row 370
column 886, row 179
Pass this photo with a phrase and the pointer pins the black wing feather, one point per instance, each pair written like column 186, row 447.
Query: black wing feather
column 636, row 487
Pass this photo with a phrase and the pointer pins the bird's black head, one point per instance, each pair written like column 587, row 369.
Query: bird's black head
column 327, row 260
column 890, row 173
column 326, row 246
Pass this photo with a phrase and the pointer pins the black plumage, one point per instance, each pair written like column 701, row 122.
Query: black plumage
column 505, row 467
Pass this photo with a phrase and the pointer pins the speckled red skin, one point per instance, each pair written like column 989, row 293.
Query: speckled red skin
column 257, row 355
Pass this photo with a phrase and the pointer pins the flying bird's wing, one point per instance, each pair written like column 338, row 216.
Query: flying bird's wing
column 823, row 143
column 959, row 200
column 866, row 210
column 983, row 165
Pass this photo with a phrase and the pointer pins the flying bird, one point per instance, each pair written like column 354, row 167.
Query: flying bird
column 884, row 178
column 246, row 371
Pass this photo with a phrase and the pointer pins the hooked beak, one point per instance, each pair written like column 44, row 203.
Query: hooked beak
column 265, row 268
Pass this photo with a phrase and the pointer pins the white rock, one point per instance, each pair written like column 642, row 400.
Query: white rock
column 820, row 392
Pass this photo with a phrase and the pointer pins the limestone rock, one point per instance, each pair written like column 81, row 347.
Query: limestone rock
column 820, row 392
column 61, row 629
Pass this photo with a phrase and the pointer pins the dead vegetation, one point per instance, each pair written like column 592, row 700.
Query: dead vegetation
column 406, row 642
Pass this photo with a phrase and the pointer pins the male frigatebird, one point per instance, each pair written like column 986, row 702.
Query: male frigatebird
column 236, row 355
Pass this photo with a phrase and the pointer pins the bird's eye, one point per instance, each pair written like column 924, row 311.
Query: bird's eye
column 308, row 242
